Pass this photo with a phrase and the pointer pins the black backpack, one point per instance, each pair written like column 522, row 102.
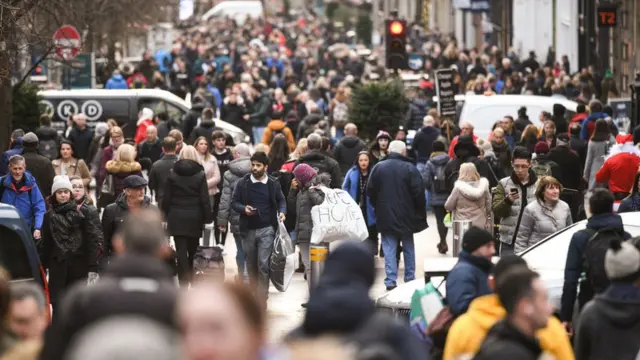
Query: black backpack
column 48, row 148
column 440, row 180
column 594, row 254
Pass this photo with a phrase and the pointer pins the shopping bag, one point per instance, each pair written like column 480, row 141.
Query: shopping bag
column 337, row 218
column 208, row 262
column 447, row 220
column 282, row 262
column 426, row 303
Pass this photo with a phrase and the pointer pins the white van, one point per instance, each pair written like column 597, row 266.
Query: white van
column 484, row 110
column 237, row 10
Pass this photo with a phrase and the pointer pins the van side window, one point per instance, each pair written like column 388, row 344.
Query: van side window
column 159, row 107
column 13, row 255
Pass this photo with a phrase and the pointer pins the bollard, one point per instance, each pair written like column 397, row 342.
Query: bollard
column 459, row 228
column 318, row 254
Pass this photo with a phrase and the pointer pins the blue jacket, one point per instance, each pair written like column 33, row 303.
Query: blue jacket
column 28, row 200
column 352, row 186
column 430, row 170
column 396, row 191
column 423, row 142
column 116, row 82
column 468, row 280
column 575, row 259
column 584, row 133
column 628, row 205
column 216, row 94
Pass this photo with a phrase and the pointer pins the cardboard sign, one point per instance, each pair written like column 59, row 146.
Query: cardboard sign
column 337, row 218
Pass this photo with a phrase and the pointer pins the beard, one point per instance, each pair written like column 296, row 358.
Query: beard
column 258, row 174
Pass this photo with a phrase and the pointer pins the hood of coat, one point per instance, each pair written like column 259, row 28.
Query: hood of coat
column 312, row 156
column 350, row 141
column 620, row 305
column 439, row 158
column 240, row 167
column 207, row 124
column 186, row 167
column 320, row 179
column 140, row 266
column 485, row 311
column 276, row 125
column 532, row 178
column 473, row 190
column 117, row 166
column 627, row 148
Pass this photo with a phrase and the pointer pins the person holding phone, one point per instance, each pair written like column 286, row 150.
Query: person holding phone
column 511, row 196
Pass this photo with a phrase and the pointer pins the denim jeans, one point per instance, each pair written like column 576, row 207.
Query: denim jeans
column 240, row 261
column 257, row 131
column 389, row 245
column 257, row 246
column 420, row 166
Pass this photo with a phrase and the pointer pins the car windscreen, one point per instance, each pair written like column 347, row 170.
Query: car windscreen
column 13, row 255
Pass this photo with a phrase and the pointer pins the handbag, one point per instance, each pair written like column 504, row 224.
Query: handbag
column 108, row 186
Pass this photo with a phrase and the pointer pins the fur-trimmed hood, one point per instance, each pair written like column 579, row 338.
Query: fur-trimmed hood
column 473, row 190
column 624, row 148
column 116, row 166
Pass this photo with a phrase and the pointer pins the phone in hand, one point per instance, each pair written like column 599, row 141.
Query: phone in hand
column 513, row 191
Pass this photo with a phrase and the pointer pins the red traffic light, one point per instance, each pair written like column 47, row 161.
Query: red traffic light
column 396, row 28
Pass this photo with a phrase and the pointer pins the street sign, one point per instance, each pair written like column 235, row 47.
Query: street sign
column 607, row 16
column 445, row 92
column 82, row 72
column 67, row 42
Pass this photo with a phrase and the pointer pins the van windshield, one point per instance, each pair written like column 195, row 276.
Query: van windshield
column 13, row 255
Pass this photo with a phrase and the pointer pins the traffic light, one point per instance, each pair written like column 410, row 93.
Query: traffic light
column 396, row 44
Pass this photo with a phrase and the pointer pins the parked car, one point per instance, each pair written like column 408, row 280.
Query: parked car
column 548, row 257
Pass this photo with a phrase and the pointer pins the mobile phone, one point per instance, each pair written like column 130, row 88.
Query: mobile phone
column 513, row 191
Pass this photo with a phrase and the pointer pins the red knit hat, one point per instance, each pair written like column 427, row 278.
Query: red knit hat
column 304, row 173
column 541, row 147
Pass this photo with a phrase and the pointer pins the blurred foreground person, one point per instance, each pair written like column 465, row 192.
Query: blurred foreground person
column 7, row 339
column 340, row 305
column 125, row 338
column 230, row 328
column 29, row 315
column 137, row 281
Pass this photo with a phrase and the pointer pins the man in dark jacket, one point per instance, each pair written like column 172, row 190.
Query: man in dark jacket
column 151, row 147
column 417, row 111
column 15, row 148
column 423, row 141
column 522, row 121
column 321, row 161
column 309, row 123
column 524, row 297
column 466, row 151
column 259, row 116
column 348, row 148
column 340, row 305
column 205, row 128
column 469, row 278
column 609, row 326
column 589, row 124
column 160, row 169
column 39, row 166
column 191, row 119
column 82, row 137
column 601, row 208
column 558, row 118
column 138, row 277
column 48, row 137
column 396, row 191
column 578, row 145
column 569, row 163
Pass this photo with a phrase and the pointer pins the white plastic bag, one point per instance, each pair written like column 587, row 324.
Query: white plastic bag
column 337, row 218
column 282, row 262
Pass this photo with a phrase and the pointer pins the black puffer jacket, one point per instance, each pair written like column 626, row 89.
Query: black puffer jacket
column 505, row 342
column 112, row 219
column 417, row 111
column 324, row 164
column 185, row 201
column 237, row 170
column 191, row 119
column 467, row 152
column 347, row 151
column 307, row 125
column 205, row 129
column 40, row 167
column 303, row 200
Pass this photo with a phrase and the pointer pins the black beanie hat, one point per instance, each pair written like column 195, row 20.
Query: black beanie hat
column 475, row 238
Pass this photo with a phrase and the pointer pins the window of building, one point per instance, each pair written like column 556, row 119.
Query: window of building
column 625, row 50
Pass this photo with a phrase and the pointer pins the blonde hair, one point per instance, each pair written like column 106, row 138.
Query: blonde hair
column 261, row 148
column 301, row 148
column 207, row 154
column 116, row 131
column 468, row 172
column 125, row 153
column 190, row 153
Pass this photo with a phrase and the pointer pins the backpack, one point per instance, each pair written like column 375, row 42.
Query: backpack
column 48, row 148
column 440, row 180
column 541, row 169
column 594, row 254
column 340, row 114
column 276, row 132
column 209, row 262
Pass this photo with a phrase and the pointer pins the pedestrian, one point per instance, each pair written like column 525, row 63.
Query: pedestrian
column 237, row 169
column 466, row 130
column 524, row 297
column 81, row 137
column 242, row 321
column 115, row 139
column 469, row 330
column 355, row 183
column 224, row 156
column 48, row 138
column 588, row 127
column 422, row 144
column 150, row 148
column 340, row 304
column 578, row 145
column 276, row 127
column 260, row 202
column 161, row 168
column 149, row 292
column 348, row 148
column 212, row 173
column 597, row 150
column 131, row 200
column 29, row 315
column 632, row 202
column 620, row 167
column 278, row 155
column 145, row 119
column 177, row 135
column 541, row 164
column 15, row 148
column 436, row 185
column 466, row 151
column 8, row 341
column 187, row 207
column 612, row 318
column 380, row 148
column 300, row 150
column 559, row 120
column 321, row 161
column 470, row 199
column 487, row 154
column 511, row 197
column 205, row 127
column 259, row 116
column 68, row 165
column 99, row 142
column 549, row 133
column 70, row 244
column 38, row 165
column 396, row 191
column 502, row 152
column 529, row 138
column 118, row 169
column 568, row 162
column 511, row 134
column 20, row 190
column 586, row 255
column 79, row 194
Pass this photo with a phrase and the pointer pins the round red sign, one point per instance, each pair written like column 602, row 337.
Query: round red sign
column 67, row 42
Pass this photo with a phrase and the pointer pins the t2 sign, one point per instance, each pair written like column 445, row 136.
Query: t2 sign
column 607, row 16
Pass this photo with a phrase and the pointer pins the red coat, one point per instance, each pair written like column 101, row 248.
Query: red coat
column 141, row 131
column 619, row 171
column 454, row 141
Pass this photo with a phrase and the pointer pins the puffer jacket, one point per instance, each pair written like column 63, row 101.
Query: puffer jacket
column 418, row 109
column 237, row 170
column 204, row 129
column 212, row 172
column 539, row 221
column 437, row 160
column 509, row 212
column 303, row 200
column 471, row 200
column 120, row 170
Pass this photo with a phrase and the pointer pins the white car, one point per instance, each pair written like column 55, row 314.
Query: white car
column 548, row 258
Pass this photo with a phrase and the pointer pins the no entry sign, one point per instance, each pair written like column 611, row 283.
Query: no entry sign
column 67, row 42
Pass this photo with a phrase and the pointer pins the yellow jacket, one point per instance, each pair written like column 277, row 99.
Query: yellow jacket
column 469, row 330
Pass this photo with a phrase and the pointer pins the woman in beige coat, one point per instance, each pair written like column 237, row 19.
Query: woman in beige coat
column 67, row 164
column 212, row 173
column 471, row 198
